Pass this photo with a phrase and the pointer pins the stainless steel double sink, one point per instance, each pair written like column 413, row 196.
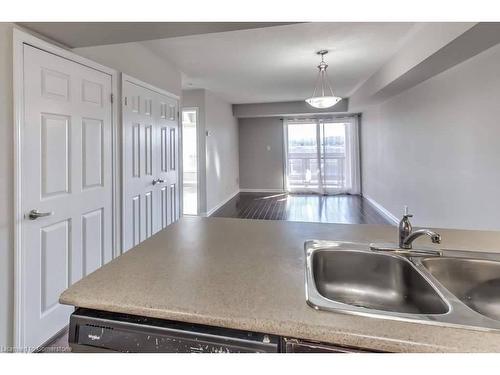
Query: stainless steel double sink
column 459, row 288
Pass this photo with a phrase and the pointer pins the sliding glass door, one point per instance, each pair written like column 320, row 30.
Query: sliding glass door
column 302, row 157
column 322, row 156
column 333, row 155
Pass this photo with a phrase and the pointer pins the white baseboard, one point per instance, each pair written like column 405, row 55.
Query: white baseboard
column 262, row 191
column 211, row 211
column 386, row 213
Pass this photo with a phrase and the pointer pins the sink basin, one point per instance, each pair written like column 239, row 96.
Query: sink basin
column 373, row 281
column 476, row 282
column 457, row 289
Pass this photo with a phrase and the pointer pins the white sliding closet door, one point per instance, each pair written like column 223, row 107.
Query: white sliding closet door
column 150, row 161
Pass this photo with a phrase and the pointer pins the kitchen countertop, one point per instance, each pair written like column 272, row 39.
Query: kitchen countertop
column 249, row 274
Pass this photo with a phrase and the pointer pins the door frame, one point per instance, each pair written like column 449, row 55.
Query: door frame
column 198, row 145
column 127, row 78
column 20, row 38
column 285, row 154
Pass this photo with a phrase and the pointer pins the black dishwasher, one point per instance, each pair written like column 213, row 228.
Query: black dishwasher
column 100, row 331
column 302, row 346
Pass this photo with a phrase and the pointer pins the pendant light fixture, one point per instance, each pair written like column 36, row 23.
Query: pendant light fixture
column 323, row 96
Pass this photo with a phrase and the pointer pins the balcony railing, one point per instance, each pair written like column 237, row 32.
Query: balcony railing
column 303, row 170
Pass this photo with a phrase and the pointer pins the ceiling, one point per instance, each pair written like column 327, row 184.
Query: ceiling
column 250, row 62
column 84, row 34
column 279, row 63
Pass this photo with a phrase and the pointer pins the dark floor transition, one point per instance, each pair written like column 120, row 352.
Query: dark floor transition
column 344, row 209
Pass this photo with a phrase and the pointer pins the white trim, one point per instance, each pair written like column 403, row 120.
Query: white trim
column 285, row 154
column 211, row 211
column 19, row 39
column 116, row 87
column 386, row 213
column 262, row 191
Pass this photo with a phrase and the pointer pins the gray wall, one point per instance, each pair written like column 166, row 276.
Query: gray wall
column 221, row 151
column 6, row 188
column 218, row 151
column 436, row 148
column 261, row 140
column 261, row 153
column 137, row 61
column 278, row 109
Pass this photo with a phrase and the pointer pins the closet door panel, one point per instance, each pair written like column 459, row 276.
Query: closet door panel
column 150, row 162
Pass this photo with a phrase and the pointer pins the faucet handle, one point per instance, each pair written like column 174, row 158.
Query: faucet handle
column 406, row 214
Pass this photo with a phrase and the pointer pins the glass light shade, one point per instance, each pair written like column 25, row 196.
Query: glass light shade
column 323, row 101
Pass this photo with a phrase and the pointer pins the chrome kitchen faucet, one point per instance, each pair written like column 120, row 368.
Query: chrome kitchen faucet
column 406, row 238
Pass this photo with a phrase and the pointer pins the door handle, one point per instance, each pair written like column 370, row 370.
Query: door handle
column 35, row 214
column 158, row 181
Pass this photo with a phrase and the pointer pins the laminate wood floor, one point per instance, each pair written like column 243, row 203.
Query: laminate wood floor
column 344, row 209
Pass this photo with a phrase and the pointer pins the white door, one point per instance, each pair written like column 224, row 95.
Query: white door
column 150, row 162
column 168, row 154
column 66, row 176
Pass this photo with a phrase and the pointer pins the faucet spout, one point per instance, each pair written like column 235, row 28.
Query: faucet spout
column 407, row 242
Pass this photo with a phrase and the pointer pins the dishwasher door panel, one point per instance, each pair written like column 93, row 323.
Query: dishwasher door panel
column 92, row 330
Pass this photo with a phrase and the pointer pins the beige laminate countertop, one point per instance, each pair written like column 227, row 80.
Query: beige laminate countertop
column 249, row 274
